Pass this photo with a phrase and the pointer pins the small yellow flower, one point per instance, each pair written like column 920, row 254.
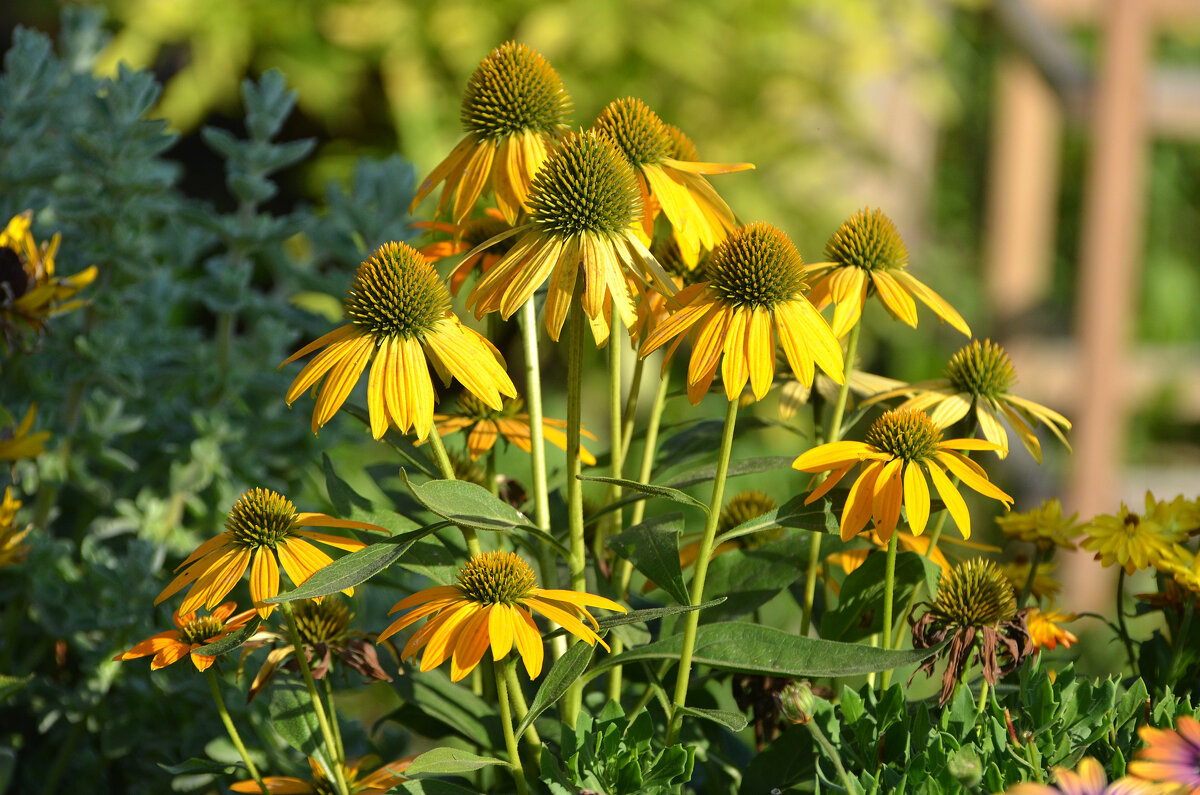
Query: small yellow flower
column 515, row 109
column 262, row 532
column 1045, row 628
column 1044, row 584
column 668, row 183
column 867, row 256
column 12, row 551
column 979, row 377
column 584, row 213
column 753, row 299
column 399, row 313
column 18, row 443
column 902, row 446
column 1137, row 542
column 492, row 605
column 29, row 291
column 1044, row 526
column 190, row 633
column 486, row 424
column 382, row 780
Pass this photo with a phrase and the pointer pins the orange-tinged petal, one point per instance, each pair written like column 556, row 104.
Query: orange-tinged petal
column 443, row 641
column 579, row 598
column 834, row 455
column 192, row 573
column 481, row 439
column 309, row 519
column 276, row 785
column 264, row 580
column 151, row 645
column 834, row 477
column 337, row 335
column 169, row 655
column 858, row 506
column 564, row 619
column 888, row 493
column 206, row 548
column 436, row 593
column 320, row 364
column 340, row 542
column 473, row 641
column 528, row 641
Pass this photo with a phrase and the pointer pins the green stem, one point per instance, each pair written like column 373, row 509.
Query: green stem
column 520, row 709
column 315, row 697
column 333, row 719
column 650, row 690
column 537, row 442
column 1133, row 666
column 702, row 561
column 490, row 472
column 1038, row 556
column 624, row 567
column 889, row 593
column 983, row 697
column 832, row 753
column 835, row 431
column 616, row 441
column 510, row 740
column 234, row 737
column 577, row 561
column 635, row 389
column 447, row 469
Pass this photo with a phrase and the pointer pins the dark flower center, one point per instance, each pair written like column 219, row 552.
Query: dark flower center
column 13, row 279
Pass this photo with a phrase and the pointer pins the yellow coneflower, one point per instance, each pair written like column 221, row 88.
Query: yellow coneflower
column 754, row 298
column 29, row 291
column 699, row 218
column 382, row 780
column 976, row 609
column 866, row 256
column 190, row 633
column 399, row 313
column 901, row 446
column 324, row 626
column 492, row 605
column 18, row 443
column 486, row 424
column 1044, row 585
column 1136, row 541
column 514, row 110
column 980, row 377
column 1044, row 526
column 1171, row 758
column 583, row 216
column 262, row 533
column 12, row 551
column 466, row 237
column 1045, row 628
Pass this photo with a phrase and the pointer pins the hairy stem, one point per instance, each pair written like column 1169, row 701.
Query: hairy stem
column 322, row 721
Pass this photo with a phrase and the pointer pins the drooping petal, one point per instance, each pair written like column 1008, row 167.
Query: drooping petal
column 916, row 498
column 950, row 496
column 528, row 641
column 887, row 497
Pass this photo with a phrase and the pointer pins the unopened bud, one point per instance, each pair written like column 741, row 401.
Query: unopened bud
column 796, row 702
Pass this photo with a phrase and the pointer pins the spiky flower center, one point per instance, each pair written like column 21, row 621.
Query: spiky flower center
column 981, row 369
column 868, row 240
column 682, row 147
column 756, row 266
column 201, row 630
column 14, row 281
column 396, row 293
column 481, row 230
column 905, row 433
column 584, row 187
column 496, row 578
column 636, row 129
column 474, row 408
column 974, row 594
column 743, row 507
column 322, row 622
column 261, row 518
column 515, row 90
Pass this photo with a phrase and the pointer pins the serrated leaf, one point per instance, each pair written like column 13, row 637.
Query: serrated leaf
column 734, row 721
column 565, row 671
column 653, row 548
column 448, row 761
column 754, row 649
column 651, row 490
column 293, row 718
column 355, row 568
column 467, row 505
column 860, row 613
column 231, row 641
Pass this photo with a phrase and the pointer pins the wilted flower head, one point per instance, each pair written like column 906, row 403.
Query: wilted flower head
column 975, row 608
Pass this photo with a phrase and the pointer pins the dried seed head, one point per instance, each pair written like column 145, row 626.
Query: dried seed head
column 974, row 594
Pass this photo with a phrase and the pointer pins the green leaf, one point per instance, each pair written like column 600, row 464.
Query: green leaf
column 653, row 548
column 196, row 765
column 860, row 613
column 467, row 505
column 742, row 466
column 397, row 441
column 230, row 641
column 673, row 767
column 754, row 649
column 820, row 517
column 432, row 698
column 566, row 670
column 752, row 577
column 11, row 684
column 293, row 718
column 448, row 761
column 734, row 721
column 651, row 490
column 649, row 614
column 355, row 568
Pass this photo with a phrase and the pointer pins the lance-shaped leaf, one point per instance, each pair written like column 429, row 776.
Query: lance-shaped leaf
column 860, row 612
column 467, row 505
column 653, row 548
column 349, row 504
column 231, row 641
column 734, row 721
column 448, row 761
column 650, row 490
column 293, row 718
column 566, row 670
